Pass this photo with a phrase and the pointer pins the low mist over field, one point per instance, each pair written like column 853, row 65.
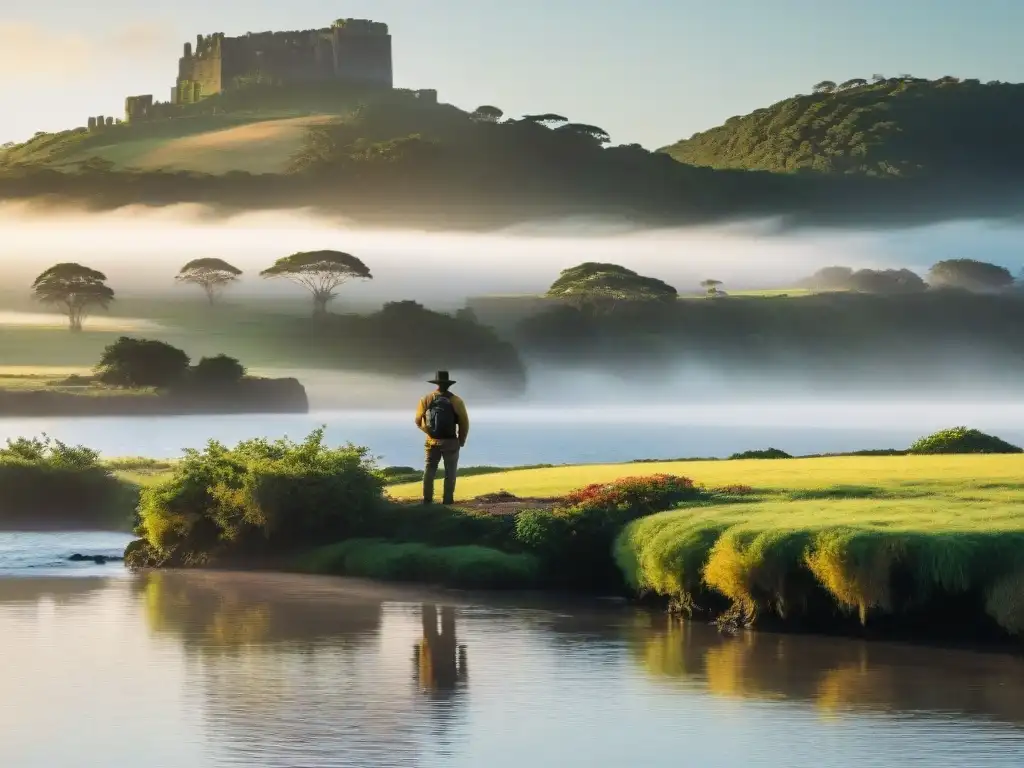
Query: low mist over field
column 141, row 249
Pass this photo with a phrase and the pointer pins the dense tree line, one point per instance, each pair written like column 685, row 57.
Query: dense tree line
column 418, row 164
column 963, row 274
column 891, row 127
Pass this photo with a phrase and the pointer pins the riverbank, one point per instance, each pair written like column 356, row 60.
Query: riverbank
column 30, row 396
column 862, row 545
column 879, row 545
column 926, row 545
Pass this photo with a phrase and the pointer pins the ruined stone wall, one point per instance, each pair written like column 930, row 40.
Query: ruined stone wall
column 138, row 108
column 200, row 71
column 279, row 58
column 351, row 50
column 362, row 54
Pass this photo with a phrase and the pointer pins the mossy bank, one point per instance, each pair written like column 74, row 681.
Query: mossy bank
column 929, row 548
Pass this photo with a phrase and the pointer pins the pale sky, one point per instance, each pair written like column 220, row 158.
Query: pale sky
column 650, row 71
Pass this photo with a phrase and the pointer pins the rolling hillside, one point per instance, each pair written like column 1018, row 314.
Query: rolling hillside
column 899, row 127
column 210, row 144
column 255, row 130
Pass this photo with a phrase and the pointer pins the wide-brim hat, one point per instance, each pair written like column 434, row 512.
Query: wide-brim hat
column 441, row 378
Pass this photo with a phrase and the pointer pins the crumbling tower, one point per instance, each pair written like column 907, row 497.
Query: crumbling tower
column 362, row 52
column 356, row 51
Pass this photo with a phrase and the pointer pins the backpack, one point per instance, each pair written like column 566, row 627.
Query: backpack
column 440, row 417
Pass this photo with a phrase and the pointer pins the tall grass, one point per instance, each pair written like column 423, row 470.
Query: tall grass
column 866, row 556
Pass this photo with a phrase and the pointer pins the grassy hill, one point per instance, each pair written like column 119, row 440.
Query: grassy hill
column 256, row 130
column 253, row 142
column 889, row 127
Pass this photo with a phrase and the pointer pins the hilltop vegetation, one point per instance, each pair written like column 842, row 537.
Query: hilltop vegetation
column 406, row 161
column 256, row 129
column 889, row 127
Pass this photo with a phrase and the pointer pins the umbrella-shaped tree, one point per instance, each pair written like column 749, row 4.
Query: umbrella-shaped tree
column 212, row 275
column 601, row 287
column 320, row 273
column 73, row 288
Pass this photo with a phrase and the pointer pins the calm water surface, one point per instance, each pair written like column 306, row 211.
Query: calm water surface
column 563, row 434
column 214, row 670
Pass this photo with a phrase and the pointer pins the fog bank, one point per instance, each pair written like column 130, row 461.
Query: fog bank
column 141, row 249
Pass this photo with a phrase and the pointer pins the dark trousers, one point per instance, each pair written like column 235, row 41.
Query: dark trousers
column 448, row 451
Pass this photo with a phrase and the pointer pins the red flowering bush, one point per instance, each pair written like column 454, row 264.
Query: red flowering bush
column 639, row 495
column 574, row 541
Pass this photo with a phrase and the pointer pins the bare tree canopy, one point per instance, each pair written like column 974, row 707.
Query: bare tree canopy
column 320, row 273
column 212, row 275
column 73, row 288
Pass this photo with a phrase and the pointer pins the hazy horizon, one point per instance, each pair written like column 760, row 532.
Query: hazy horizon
column 141, row 249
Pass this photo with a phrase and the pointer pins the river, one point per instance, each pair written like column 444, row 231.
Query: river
column 565, row 434
column 204, row 670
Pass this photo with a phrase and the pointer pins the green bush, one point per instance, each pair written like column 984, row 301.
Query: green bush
column 259, row 497
column 442, row 526
column 470, row 567
column 218, row 371
column 962, row 440
column 142, row 363
column 44, row 482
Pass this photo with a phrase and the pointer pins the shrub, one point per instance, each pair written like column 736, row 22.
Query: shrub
column 466, row 567
column 575, row 542
column 218, row 371
column 638, row 495
column 962, row 440
column 767, row 453
column 141, row 363
column 259, row 497
column 44, row 482
column 443, row 526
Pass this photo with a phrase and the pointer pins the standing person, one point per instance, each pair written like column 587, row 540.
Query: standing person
column 443, row 417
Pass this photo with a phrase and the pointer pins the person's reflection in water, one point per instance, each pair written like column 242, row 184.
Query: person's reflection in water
column 440, row 662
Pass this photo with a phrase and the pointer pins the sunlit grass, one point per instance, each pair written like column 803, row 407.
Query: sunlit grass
column 57, row 384
column 878, row 474
column 52, row 320
column 952, row 525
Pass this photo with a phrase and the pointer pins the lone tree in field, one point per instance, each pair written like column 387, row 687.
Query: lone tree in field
column 212, row 275
column 603, row 286
column 970, row 274
column 710, row 286
column 320, row 273
column 73, row 288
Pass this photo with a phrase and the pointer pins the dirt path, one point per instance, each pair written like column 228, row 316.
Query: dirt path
column 502, row 503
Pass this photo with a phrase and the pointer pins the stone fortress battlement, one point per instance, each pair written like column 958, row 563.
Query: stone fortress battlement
column 356, row 51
